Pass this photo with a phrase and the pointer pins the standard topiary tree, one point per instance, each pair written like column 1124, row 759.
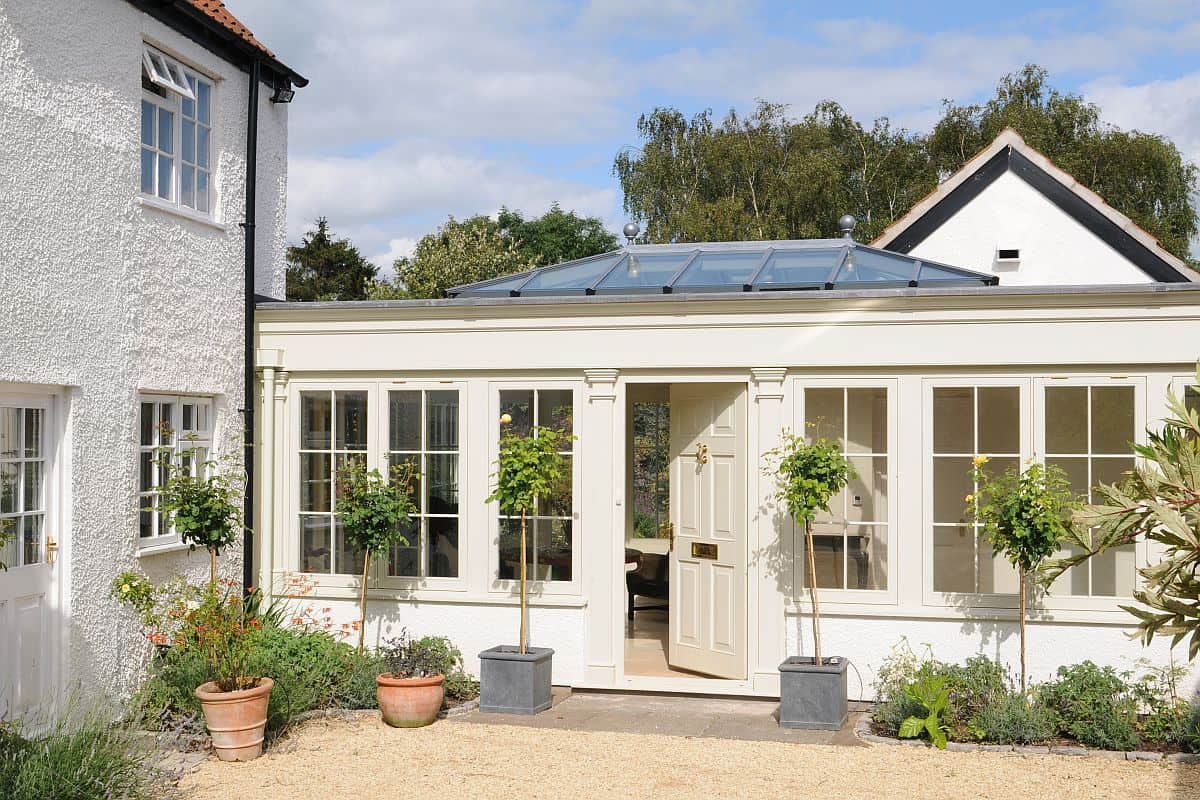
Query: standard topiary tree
column 1025, row 515
column 809, row 474
column 529, row 468
column 205, row 507
column 372, row 510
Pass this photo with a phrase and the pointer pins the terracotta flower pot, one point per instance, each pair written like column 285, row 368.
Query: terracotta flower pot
column 236, row 720
column 409, row 702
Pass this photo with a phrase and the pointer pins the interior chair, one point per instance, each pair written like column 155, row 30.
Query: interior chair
column 649, row 580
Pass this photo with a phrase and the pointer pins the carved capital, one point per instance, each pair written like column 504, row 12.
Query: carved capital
column 602, row 383
column 768, row 382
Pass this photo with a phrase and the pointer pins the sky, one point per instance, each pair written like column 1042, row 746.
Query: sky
column 417, row 111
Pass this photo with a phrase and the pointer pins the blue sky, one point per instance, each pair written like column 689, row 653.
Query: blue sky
column 421, row 110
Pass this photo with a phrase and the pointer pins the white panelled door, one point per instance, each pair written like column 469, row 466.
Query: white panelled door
column 708, row 510
column 29, row 622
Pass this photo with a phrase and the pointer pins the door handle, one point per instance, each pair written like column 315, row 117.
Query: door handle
column 667, row 528
column 701, row 453
column 51, row 550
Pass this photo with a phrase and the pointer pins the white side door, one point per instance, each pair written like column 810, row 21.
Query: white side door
column 29, row 619
column 708, row 510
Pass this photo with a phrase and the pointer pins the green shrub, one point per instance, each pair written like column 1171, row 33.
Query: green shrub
column 973, row 686
column 80, row 758
column 1189, row 729
column 1013, row 718
column 897, row 672
column 1155, row 691
column 1094, row 706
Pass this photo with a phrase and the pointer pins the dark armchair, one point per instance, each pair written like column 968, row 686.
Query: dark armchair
column 649, row 580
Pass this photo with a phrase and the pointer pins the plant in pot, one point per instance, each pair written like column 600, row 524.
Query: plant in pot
column 812, row 689
column 235, row 700
column 201, row 500
column 413, row 692
column 516, row 680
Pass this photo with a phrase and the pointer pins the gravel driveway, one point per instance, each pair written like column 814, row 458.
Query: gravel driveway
column 362, row 758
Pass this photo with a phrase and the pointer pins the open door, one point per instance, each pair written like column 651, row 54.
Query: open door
column 708, row 510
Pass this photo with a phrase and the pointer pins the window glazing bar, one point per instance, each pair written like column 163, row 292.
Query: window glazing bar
column 670, row 285
column 762, row 264
column 620, row 261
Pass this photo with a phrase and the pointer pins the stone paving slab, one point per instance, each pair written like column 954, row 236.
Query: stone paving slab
column 744, row 719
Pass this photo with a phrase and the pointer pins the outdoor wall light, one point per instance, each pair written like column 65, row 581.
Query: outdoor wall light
column 283, row 92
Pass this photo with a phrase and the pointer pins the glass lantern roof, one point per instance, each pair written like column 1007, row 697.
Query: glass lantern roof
column 728, row 267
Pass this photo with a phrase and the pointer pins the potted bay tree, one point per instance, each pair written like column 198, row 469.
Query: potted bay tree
column 812, row 689
column 516, row 679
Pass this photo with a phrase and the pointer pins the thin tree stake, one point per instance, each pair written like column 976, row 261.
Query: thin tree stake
column 812, row 588
column 362, row 602
column 523, row 612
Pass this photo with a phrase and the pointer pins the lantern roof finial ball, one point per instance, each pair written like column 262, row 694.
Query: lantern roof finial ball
column 846, row 224
column 631, row 230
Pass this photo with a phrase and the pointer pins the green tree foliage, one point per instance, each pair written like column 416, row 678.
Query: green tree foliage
column 809, row 474
column 556, row 236
column 323, row 267
column 1025, row 515
column 473, row 249
column 202, row 501
column 768, row 176
column 373, row 510
column 529, row 469
column 1160, row 502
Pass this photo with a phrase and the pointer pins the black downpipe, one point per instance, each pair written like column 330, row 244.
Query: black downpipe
column 248, row 411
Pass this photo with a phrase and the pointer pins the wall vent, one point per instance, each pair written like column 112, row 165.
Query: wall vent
column 1008, row 254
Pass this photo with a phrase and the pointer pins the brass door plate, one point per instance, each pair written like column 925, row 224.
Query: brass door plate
column 706, row 550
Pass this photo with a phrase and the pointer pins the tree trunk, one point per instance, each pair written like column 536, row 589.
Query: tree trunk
column 1021, row 574
column 212, row 569
column 524, row 634
column 362, row 602
column 812, row 587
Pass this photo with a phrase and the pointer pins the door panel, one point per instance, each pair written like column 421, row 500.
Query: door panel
column 708, row 507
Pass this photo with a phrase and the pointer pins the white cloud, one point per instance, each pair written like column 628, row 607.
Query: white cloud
column 1169, row 108
column 396, row 248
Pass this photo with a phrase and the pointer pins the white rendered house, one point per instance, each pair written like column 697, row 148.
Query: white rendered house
column 914, row 363
column 124, row 152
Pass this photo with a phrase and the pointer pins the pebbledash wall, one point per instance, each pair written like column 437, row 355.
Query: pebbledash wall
column 777, row 345
column 106, row 295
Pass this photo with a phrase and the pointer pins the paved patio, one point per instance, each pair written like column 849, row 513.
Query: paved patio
column 667, row 715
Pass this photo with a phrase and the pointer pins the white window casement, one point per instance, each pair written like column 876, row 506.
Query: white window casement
column 1087, row 428
column 174, row 432
column 423, row 430
column 966, row 419
column 24, row 475
column 334, row 431
column 853, row 543
column 176, row 133
column 552, row 557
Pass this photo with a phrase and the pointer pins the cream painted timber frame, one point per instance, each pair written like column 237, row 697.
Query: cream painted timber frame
column 377, row 432
column 536, row 588
column 1059, row 599
column 886, row 596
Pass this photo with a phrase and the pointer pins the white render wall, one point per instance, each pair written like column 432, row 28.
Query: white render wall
column 1055, row 249
column 607, row 348
column 103, row 296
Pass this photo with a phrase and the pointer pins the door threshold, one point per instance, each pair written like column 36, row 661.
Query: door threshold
column 697, row 686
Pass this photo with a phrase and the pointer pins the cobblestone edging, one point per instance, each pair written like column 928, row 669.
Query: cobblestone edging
column 863, row 731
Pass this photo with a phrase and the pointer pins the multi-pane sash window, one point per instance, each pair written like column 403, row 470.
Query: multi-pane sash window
column 22, row 485
column 176, row 132
column 423, row 429
column 1089, row 434
column 333, row 432
column 550, row 548
column 970, row 421
column 173, row 433
column 850, row 542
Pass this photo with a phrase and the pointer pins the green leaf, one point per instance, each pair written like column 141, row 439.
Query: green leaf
column 911, row 728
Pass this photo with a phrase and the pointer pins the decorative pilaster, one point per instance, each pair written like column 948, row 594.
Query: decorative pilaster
column 602, row 384
column 770, row 578
column 603, row 525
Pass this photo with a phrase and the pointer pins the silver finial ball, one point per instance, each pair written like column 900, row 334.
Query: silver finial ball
column 631, row 230
column 846, row 224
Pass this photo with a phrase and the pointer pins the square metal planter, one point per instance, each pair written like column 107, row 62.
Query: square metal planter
column 511, row 682
column 811, row 696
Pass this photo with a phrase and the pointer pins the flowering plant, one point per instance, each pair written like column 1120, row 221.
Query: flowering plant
column 222, row 629
column 162, row 609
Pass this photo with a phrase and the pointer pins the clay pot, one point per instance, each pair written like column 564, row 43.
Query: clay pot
column 237, row 720
column 409, row 702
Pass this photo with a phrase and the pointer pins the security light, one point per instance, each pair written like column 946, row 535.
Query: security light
column 283, row 92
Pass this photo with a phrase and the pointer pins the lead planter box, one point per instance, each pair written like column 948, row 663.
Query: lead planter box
column 511, row 682
column 812, row 696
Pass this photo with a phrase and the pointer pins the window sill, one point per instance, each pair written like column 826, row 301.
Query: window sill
column 1039, row 616
column 160, row 548
column 157, row 204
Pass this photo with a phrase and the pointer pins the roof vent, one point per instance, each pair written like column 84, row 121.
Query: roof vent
column 846, row 225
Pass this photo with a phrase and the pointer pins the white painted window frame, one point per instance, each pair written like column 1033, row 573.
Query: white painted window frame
column 539, row 588
column 182, row 440
column 49, row 477
column 382, row 459
column 177, row 90
column 1058, row 598
column 886, row 596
